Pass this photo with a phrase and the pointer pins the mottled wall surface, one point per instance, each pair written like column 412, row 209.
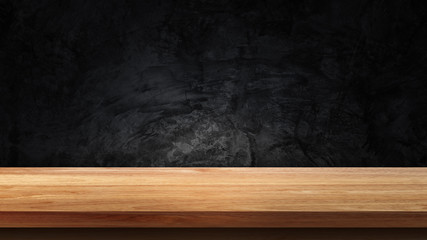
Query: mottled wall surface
column 213, row 83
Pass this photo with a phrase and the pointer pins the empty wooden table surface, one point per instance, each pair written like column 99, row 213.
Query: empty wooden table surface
column 213, row 197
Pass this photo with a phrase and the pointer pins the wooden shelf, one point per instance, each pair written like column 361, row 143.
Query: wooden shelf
column 213, row 197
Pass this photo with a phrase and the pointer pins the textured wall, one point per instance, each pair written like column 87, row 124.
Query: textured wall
column 213, row 83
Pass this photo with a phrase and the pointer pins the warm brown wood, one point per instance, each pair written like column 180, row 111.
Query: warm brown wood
column 213, row 197
column 213, row 219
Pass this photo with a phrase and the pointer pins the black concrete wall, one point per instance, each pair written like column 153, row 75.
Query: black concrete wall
column 213, row 83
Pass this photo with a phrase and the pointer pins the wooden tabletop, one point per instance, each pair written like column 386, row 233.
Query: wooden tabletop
column 213, row 197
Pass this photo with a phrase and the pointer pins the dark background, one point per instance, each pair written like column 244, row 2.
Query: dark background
column 213, row 83
column 214, row 233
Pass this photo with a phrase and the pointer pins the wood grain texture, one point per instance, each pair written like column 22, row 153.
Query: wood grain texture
column 213, row 197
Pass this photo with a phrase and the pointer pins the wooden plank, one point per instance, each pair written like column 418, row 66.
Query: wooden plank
column 213, row 197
